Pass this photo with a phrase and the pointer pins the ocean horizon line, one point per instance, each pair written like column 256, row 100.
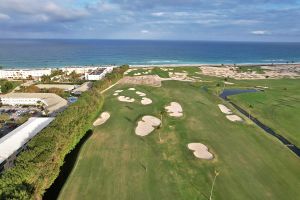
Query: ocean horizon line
column 158, row 40
column 149, row 65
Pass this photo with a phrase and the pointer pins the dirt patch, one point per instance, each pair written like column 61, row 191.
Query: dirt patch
column 151, row 80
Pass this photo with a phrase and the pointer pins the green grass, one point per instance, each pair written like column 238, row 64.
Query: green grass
column 278, row 107
column 256, row 69
column 116, row 164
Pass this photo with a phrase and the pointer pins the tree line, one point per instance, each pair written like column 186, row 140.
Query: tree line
column 38, row 166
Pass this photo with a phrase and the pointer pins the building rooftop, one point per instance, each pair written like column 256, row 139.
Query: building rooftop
column 14, row 140
column 53, row 101
column 97, row 71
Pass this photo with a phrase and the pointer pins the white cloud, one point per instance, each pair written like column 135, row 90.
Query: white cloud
column 145, row 31
column 260, row 32
column 158, row 14
column 4, row 16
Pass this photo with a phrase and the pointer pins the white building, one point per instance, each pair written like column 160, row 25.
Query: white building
column 52, row 102
column 98, row 74
column 14, row 142
column 23, row 73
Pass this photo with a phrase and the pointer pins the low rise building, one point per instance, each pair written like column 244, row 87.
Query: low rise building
column 98, row 74
column 23, row 73
column 15, row 141
column 51, row 102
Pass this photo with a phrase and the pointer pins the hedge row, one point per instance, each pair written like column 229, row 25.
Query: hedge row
column 36, row 168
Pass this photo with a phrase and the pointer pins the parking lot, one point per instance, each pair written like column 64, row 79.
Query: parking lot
column 15, row 116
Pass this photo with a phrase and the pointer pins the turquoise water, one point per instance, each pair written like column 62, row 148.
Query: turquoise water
column 54, row 53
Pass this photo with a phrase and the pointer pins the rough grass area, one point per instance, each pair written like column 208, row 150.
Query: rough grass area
column 191, row 71
column 278, row 106
column 256, row 69
column 117, row 164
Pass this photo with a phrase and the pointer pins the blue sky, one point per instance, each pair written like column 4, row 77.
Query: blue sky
column 229, row 20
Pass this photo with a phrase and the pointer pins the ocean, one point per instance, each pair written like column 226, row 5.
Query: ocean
column 28, row 53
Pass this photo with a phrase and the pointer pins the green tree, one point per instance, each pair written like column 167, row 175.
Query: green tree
column 4, row 117
column 45, row 79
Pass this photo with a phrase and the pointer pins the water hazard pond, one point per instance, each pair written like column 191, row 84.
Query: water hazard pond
column 286, row 142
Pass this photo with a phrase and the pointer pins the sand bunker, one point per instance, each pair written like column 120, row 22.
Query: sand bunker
column 224, row 109
column 146, row 125
column 174, row 109
column 228, row 83
column 234, row 118
column 132, row 89
column 102, row 119
column 200, row 151
column 146, row 101
column 118, row 91
column 126, row 99
column 141, row 94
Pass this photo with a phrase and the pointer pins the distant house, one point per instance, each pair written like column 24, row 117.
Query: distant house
column 23, row 73
column 15, row 141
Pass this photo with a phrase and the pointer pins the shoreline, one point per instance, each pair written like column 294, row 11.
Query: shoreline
column 154, row 65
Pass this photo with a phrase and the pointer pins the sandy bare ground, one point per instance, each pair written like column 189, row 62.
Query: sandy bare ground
column 200, row 151
column 224, row 109
column 146, row 125
column 151, row 80
column 141, row 94
column 102, row 119
column 146, row 101
column 234, row 118
column 174, row 109
column 270, row 72
column 126, row 99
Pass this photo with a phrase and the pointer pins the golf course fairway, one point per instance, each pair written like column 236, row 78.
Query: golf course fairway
column 115, row 163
